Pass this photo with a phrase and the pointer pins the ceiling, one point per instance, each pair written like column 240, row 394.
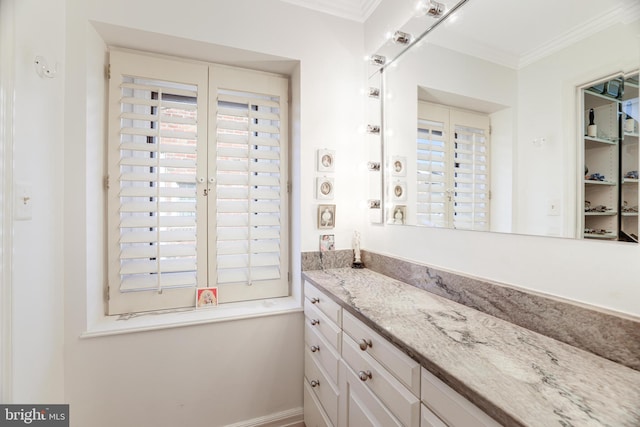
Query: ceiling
column 535, row 28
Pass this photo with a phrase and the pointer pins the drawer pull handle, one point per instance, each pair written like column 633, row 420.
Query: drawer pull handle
column 315, row 300
column 314, row 348
column 315, row 322
column 315, row 383
column 364, row 344
column 364, row 375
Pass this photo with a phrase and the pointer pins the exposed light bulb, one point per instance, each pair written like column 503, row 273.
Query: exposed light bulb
column 431, row 8
column 400, row 37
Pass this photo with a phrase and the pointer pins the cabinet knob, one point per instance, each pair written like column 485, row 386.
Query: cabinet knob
column 315, row 300
column 315, row 322
column 364, row 344
column 364, row 375
column 314, row 348
column 315, row 383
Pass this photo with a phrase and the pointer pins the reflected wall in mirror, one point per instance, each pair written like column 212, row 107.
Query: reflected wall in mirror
column 487, row 110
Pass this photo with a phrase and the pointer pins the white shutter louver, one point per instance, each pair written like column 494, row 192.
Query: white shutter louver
column 157, row 185
column 471, row 179
column 432, row 174
column 248, row 188
column 453, row 182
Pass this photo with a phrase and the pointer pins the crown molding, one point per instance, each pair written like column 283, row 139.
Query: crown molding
column 354, row 10
column 626, row 13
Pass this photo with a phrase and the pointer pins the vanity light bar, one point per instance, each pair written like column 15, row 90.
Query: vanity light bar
column 373, row 129
column 402, row 38
column 373, row 166
column 378, row 60
column 431, row 8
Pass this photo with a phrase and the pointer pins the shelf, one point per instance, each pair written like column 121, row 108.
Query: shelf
column 594, row 182
column 597, row 142
column 607, row 236
column 600, row 99
column 631, row 134
column 630, row 180
column 607, row 213
column 629, row 214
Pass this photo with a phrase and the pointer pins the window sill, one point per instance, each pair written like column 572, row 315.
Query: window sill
column 115, row 325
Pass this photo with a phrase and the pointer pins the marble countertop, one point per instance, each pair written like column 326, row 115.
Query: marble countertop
column 519, row 377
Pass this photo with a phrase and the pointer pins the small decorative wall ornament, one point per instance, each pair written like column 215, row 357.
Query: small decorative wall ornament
column 374, row 92
column 326, row 160
column 326, row 216
column 324, row 188
column 398, row 215
column 206, row 297
column 399, row 190
column 399, row 166
column 374, row 204
column 327, row 242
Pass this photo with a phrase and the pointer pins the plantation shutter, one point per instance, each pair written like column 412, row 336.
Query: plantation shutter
column 155, row 210
column 471, row 171
column 432, row 176
column 453, row 185
column 250, row 169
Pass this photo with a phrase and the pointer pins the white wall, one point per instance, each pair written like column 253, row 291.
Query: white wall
column 602, row 274
column 219, row 373
column 38, row 159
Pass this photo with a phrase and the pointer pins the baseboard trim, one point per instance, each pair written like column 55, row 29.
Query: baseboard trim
column 289, row 418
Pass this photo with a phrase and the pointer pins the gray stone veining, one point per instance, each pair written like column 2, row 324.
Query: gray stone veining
column 519, row 377
column 608, row 335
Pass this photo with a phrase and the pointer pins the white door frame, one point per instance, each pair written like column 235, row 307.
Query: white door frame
column 7, row 67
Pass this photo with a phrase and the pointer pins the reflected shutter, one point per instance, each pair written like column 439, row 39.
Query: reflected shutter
column 471, row 178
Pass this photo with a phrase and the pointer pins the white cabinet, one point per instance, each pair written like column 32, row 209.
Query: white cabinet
column 359, row 405
column 356, row 378
column 450, row 407
column 322, row 336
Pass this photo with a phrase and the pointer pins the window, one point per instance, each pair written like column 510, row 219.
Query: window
column 197, row 183
column 453, row 187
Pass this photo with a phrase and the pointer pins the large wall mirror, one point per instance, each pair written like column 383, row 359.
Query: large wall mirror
column 495, row 91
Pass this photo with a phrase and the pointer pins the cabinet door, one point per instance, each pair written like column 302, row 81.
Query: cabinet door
column 359, row 407
column 314, row 415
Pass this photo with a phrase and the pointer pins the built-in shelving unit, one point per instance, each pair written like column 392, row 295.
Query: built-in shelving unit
column 611, row 159
column 629, row 160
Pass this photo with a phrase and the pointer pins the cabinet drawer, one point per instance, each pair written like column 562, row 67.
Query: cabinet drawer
column 321, row 386
column 451, row 407
column 318, row 321
column 314, row 415
column 359, row 407
column 324, row 303
column 427, row 418
column 399, row 364
column 322, row 352
column 400, row 401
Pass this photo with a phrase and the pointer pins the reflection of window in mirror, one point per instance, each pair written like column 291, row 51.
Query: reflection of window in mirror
column 453, row 182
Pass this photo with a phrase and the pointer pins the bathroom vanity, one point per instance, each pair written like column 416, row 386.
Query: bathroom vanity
column 379, row 351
